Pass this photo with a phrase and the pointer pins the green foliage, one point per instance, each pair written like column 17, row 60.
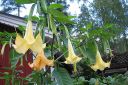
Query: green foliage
column 55, row 6
column 14, row 58
column 80, row 81
column 62, row 77
column 89, row 52
column 118, row 79
column 58, row 15
column 25, row 1
column 34, row 78
column 5, row 37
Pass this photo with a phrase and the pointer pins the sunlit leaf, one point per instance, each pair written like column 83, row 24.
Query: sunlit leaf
column 55, row 6
column 25, row 1
column 57, row 13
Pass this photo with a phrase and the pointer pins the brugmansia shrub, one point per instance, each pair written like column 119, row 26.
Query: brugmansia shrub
column 48, row 70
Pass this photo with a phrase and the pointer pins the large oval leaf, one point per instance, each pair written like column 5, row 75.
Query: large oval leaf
column 62, row 77
column 89, row 52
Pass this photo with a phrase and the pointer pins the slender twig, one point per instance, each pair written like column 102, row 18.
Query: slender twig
column 52, row 45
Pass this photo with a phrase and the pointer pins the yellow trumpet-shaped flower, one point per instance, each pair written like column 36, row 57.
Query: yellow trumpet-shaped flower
column 38, row 44
column 28, row 42
column 40, row 62
column 72, row 57
column 100, row 64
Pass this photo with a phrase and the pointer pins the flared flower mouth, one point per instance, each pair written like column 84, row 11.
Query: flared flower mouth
column 72, row 60
column 100, row 64
column 20, row 45
column 40, row 62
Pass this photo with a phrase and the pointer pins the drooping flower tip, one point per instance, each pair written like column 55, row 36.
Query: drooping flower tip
column 108, row 64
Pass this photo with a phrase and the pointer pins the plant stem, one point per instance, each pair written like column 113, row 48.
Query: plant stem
column 52, row 45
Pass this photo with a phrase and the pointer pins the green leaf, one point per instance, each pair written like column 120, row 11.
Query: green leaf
column 60, row 16
column 52, row 25
column 66, row 30
column 55, row 6
column 21, row 28
column 89, row 26
column 25, row 1
column 44, row 6
column 56, row 13
column 82, row 52
column 92, row 81
column 35, row 18
column 62, row 77
column 91, row 51
column 34, row 78
column 65, row 20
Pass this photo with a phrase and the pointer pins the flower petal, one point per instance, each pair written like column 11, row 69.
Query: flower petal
column 70, row 48
column 38, row 44
column 72, row 60
column 45, row 60
column 36, row 64
column 21, row 45
column 40, row 62
column 76, row 59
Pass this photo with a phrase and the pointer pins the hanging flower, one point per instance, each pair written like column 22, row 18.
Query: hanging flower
column 28, row 42
column 38, row 44
column 29, row 37
column 72, row 57
column 100, row 64
column 40, row 62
